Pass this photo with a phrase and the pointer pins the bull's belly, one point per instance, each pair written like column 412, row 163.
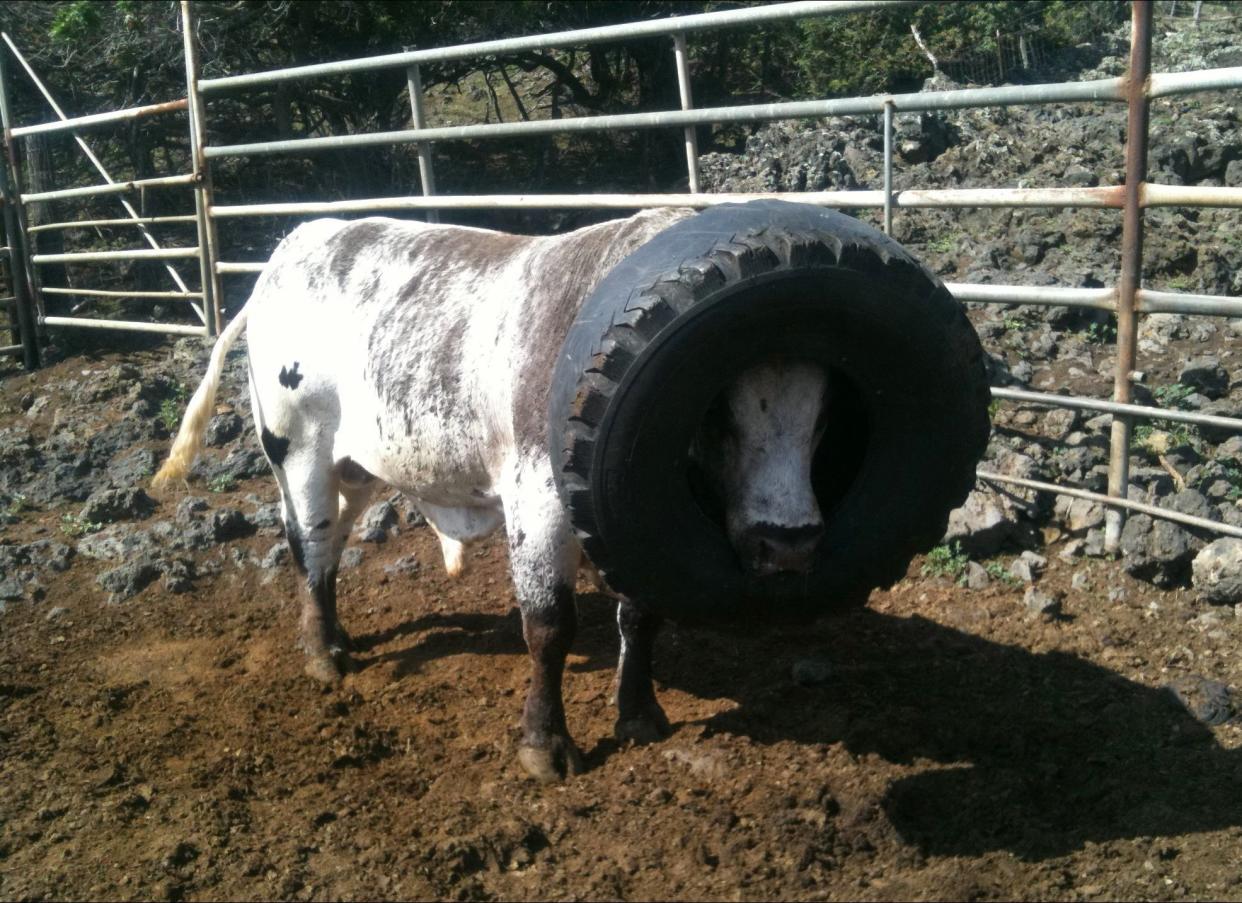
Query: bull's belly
column 445, row 465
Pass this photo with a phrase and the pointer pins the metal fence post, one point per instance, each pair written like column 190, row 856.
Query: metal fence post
column 427, row 175
column 1131, row 262
column 888, row 167
column 203, row 198
column 687, row 103
column 21, row 270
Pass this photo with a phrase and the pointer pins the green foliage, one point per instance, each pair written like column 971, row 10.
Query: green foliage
column 170, row 408
column 1101, row 333
column 222, row 483
column 76, row 21
column 75, row 525
column 946, row 560
column 15, row 506
column 1173, row 395
column 1000, row 573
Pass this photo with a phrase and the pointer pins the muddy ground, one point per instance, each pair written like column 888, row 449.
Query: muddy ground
column 944, row 743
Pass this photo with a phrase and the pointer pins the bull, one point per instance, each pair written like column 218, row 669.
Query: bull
column 420, row 356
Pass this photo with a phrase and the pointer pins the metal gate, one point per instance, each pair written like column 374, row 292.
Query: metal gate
column 1127, row 299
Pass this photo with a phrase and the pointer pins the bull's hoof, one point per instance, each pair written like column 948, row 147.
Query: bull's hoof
column 329, row 667
column 556, row 761
column 649, row 726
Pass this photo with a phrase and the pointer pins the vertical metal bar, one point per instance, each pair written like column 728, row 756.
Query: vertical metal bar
column 1131, row 261
column 687, row 103
column 20, row 267
column 426, row 174
column 888, row 167
column 207, row 240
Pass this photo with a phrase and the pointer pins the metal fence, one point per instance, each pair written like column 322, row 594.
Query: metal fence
column 1127, row 299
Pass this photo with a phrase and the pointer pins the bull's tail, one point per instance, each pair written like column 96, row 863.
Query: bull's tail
column 198, row 413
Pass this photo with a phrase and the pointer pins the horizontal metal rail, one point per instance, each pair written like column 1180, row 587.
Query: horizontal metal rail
column 775, row 12
column 1157, row 195
column 1165, row 84
column 109, row 188
column 1114, row 501
column 238, row 268
column 82, row 122
column 947, row 197
column 1097, row 298
column 1115, row 407
column 102, row 256
column 119, row 221
column 10, row 349
column 1100, row 89
column 1148, row 300
column 106, row 293
column 1153, row 302
column 126, row 325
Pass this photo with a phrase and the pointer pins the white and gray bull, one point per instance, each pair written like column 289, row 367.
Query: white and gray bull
column 421, row 356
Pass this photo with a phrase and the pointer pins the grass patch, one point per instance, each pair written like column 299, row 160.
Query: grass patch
column 75, row 525
column 946, row 560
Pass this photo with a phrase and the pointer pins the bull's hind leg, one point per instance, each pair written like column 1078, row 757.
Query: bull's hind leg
column 544, row 557
column 639, row 716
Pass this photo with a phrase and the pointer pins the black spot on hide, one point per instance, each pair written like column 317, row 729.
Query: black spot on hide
column 290, row 378
column 273, row 446
column 763, row 404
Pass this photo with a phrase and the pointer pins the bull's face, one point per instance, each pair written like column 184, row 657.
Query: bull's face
column 756, row 447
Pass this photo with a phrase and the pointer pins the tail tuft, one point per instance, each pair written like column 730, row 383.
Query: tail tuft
column 198, row 412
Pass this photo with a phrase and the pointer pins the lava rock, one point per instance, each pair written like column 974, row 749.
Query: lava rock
column 130, row 578
column 1206, row 375
column 132, row 469
column 222, row 429
column 1038, row 602
column 1159, row 552
column 1217, row 571
column 375, row 523
column 407, row 564
column 1209, row 701
column 109, row 505
column 229, row 523
column 351, row 558
column 275, row 557
column 1028, row 566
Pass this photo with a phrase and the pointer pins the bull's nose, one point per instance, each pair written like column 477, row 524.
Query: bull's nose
column 770, row 549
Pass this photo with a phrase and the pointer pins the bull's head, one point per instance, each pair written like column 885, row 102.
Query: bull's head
column 756, row 447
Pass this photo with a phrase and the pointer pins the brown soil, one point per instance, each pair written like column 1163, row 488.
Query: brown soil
column 170, row 747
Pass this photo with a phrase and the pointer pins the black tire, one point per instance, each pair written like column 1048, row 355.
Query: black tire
column 671, row 325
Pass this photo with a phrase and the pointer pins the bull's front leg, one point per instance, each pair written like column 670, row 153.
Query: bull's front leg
column 544, row 559
column 639, row 716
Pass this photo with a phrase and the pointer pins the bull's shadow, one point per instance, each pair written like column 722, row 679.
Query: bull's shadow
column 1042, row 753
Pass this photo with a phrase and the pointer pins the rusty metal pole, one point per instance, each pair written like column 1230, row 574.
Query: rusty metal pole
column 21, row 270
column 203, row 197
column 1131, row 261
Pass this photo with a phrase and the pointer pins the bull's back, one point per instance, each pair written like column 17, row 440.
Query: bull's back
column 436, row 343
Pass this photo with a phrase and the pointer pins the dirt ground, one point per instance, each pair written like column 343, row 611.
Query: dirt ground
column 950, row 744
